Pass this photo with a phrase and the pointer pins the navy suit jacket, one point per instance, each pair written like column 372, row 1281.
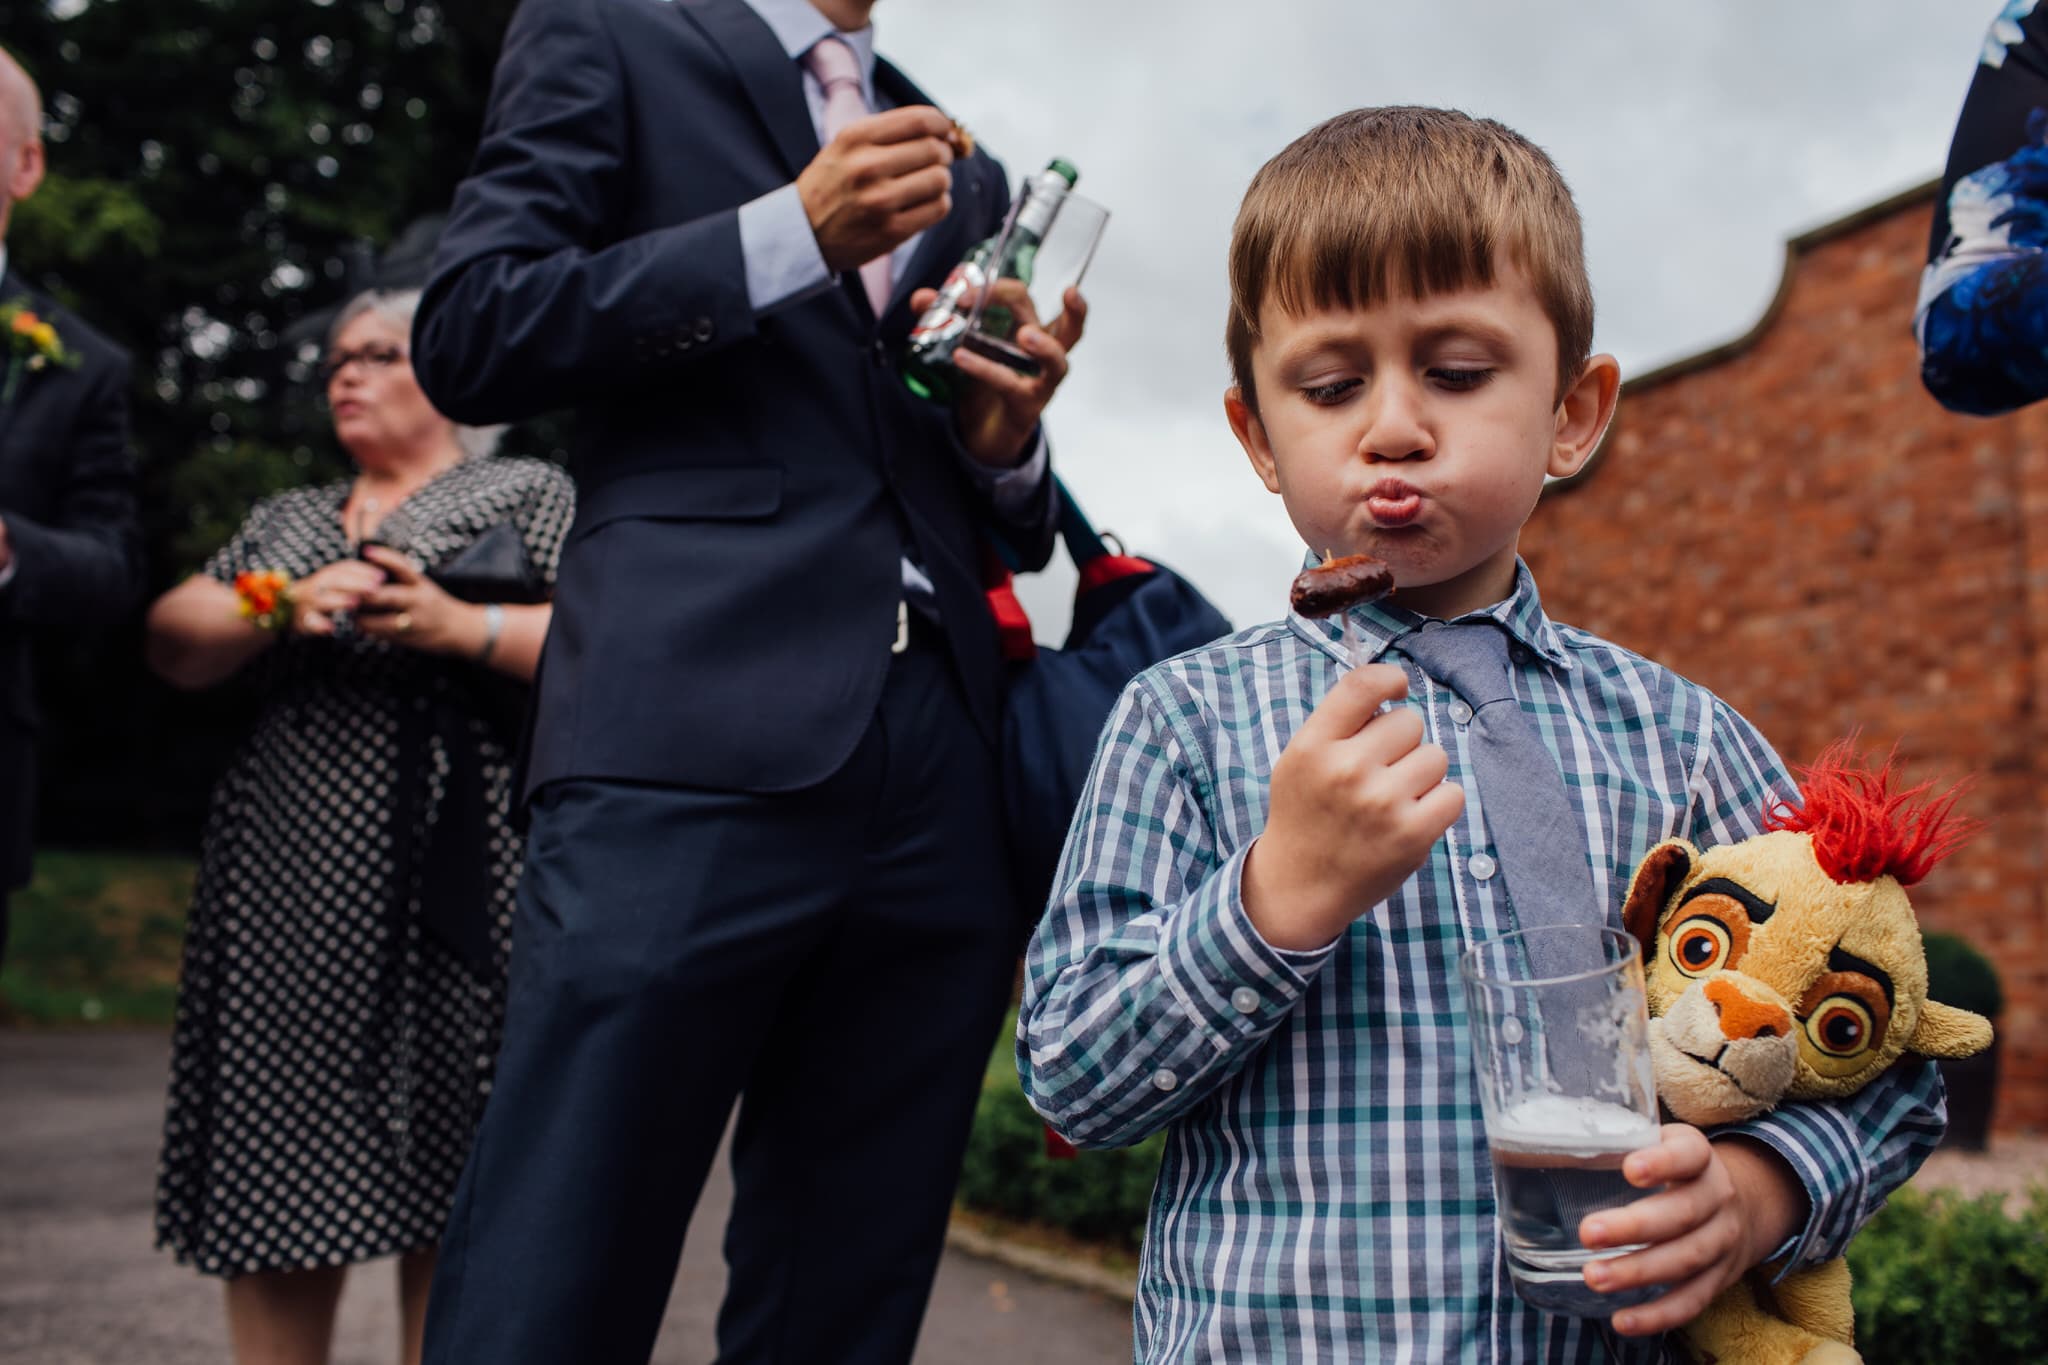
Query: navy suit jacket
column 748, row 484
column 67, row 496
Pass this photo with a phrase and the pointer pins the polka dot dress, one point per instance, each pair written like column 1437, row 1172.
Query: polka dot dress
column 332, row 1052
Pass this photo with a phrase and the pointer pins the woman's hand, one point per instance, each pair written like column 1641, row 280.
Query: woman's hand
column 412, row 610
column 340, row 586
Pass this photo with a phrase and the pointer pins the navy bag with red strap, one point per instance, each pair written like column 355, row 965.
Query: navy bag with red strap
column 1129, row 614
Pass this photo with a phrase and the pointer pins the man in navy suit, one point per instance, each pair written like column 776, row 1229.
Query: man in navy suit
column 766, row 858
column 70, row 553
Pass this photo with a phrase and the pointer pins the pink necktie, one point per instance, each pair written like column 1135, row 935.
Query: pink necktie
column 832, row 62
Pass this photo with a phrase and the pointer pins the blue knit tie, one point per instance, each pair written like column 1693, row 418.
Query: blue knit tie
column 1539, row 840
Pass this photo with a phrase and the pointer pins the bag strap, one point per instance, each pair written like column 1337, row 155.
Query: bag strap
column 1083, row 541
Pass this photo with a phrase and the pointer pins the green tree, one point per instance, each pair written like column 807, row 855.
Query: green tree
column 217, row 168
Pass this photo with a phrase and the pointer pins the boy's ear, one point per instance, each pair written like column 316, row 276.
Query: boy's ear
column 1583, row 416
column 1251, row 434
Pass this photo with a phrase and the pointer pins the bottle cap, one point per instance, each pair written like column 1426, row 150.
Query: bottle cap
column 1064, row 169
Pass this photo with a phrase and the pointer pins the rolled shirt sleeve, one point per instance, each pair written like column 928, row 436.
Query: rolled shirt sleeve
column 1146, row 986
column 1851, row 1154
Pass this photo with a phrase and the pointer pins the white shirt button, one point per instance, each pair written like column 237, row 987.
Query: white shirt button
column 1482, row 866
column 1165, row 1079
column 1461, row 713
column 1244, row 1000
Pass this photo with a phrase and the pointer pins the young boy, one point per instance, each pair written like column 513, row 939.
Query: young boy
column 1254, row 936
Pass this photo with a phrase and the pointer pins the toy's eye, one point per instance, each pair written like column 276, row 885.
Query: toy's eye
column 1841, row 1027
column 1700, row 945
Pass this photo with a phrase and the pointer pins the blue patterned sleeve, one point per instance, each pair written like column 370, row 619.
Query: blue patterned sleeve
column 1146, row 986
column 1982, row 318
column 1849, row 1154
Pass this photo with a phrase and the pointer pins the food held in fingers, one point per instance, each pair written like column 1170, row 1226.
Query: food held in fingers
column 1339, row 584
column 961, row 139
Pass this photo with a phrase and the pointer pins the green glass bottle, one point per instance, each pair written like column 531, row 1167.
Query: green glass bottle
column 928, row 368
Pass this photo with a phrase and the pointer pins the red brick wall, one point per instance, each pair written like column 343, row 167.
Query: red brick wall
column 1794, row 523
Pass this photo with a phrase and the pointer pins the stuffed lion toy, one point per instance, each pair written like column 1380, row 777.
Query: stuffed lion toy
column 1788, row 966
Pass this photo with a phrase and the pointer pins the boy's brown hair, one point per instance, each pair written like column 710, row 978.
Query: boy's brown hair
column 1402, row 200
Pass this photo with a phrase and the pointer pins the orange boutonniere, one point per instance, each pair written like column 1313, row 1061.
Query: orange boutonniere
column 32, row 344
column 265, row 598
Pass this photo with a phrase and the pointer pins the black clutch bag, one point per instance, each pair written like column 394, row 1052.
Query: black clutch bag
column 492, row 568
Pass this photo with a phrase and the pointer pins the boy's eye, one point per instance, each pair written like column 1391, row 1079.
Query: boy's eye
column 1329, row 393
column 1457, row 379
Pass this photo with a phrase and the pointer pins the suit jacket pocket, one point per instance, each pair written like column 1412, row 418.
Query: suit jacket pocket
column 742, row 493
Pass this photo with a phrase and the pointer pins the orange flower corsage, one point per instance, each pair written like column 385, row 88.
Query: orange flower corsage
column 32, row 344
column 264, row 598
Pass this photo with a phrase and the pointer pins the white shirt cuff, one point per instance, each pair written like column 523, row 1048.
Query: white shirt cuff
column 781, row 252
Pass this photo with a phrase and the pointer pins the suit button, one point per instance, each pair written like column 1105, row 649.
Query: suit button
column 702, row 331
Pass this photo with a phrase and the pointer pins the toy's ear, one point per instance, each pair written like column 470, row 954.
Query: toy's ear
column 1945, row 1031
column 1657, row 876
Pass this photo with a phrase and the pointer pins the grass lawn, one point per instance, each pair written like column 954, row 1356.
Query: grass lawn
column 95, row 939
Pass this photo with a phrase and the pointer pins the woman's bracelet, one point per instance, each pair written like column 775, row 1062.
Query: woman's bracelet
column 494, row 622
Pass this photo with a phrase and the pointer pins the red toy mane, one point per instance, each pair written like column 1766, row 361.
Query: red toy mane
column 1862, row 829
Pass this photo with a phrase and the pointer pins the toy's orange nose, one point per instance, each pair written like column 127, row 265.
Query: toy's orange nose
column 1742, row 1017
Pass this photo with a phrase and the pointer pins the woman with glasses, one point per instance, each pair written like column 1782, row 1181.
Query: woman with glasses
column 345, row 958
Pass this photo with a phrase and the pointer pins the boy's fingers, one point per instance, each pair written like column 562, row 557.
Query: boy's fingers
column 1655, row 1218
column 1441, row 805
column 1680, row 1153
column 1421, row 770
column 1351, row 704
column 1686, row 1301
column 1387, row 737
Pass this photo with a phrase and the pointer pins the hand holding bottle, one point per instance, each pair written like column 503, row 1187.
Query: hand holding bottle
column 997, row 412
column 879, row 182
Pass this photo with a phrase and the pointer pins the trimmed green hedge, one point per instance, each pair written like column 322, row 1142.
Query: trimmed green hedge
column 1101, row 1196
column 1943, row 1278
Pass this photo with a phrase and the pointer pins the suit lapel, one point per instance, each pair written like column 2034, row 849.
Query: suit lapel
column 765, row 71
column 12, row 287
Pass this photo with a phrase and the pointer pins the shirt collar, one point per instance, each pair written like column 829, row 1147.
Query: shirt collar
column 798, row 26
column 1380, row 624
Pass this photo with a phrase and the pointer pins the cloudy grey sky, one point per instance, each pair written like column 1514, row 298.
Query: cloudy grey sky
column 1697, row 138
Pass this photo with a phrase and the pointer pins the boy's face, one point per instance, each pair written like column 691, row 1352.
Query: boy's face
column 1420, row 431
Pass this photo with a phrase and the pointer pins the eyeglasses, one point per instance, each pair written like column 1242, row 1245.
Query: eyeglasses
column 372, row 358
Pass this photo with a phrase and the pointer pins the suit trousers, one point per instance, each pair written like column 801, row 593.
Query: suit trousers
column 836, row 959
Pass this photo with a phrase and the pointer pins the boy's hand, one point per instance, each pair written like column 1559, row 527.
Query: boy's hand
column 1357, row 802
column 1726, row 1205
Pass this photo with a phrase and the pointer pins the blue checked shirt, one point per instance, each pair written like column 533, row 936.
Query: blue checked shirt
column 1326, row 1194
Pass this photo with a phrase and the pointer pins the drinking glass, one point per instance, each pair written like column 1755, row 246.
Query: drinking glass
column 1560, row 1035
column 1057, row 264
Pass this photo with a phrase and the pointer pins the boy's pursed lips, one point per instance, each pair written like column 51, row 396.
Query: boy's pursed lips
column 1393, row 503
